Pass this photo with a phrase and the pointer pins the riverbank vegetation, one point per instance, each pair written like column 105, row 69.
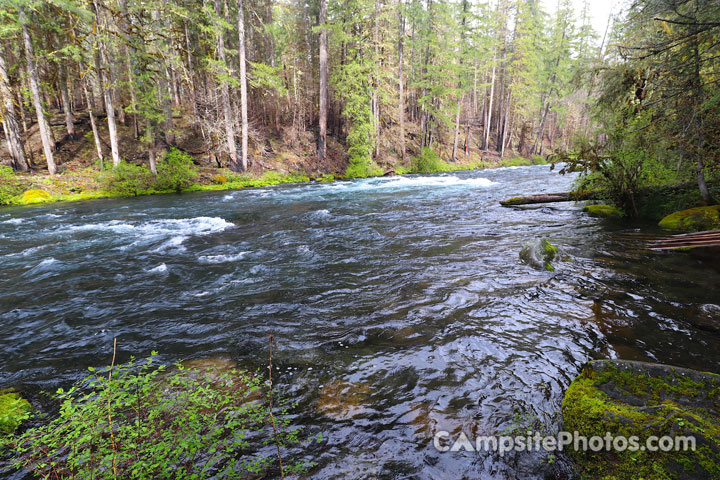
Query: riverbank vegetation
column 343, row 89
column 140, row 420
column 656, row 112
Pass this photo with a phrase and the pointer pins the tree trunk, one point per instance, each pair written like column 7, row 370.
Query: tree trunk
column 322, row 140
column 225, row 94
column 541, row 130
column 243, row 86
column 488, row 119
column 457, row 129
column 45, row 135
column 66, row 106
column 93, row 123
column 12, row 128
column 105, row 79
column 376, row 87
column 401, row 102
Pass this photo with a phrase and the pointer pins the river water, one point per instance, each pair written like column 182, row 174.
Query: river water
column 399, row 305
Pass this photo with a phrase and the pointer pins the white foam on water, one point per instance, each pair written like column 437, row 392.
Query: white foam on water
column 13, row 221
column 221, row 258
column 178, row 230
column 404, row 182
column 162, row 268
column 227, row 198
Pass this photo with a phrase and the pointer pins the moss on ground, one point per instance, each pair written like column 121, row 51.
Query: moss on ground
column 35, row 196
column 605, row 211
column 693, row 219
column 638, row 399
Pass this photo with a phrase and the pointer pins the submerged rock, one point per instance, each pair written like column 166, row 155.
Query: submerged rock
column 693, row 220
column 343, row 400
column 627, row 398
column 538, row 254
column 605, row 211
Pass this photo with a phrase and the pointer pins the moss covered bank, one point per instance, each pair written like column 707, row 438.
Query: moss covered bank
column 627, row 398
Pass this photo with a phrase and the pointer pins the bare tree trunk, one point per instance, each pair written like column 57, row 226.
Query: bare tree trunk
column 10, row 122
column 45, row 134
column 152, row 152
column 21, row 107
column 243, row 86
column 401, row 103
column 488, row 118
column 322, row 140
column 106, row 81
column 375, row 96
column 93, row 123
column 457, row 129
column 541, row 130
column 67, row 107
column 225, row 95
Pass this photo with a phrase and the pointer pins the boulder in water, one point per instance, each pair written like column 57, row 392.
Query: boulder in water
column 638, row 399
column 693, row 219
column 538, row 254
column 604, row 211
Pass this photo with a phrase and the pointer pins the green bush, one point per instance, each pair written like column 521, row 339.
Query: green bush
column 516, row 162
column 428, row 162
column 127, row 179
column 9, row 185
column 146, row 422
column 176, row 171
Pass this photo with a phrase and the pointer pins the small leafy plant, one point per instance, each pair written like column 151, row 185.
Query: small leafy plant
column 176, row 171
column 9, row 185
column 428, row 162
column 127, row 179
column 140, row 421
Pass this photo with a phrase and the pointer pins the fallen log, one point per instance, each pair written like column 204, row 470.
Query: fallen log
column 549, row 198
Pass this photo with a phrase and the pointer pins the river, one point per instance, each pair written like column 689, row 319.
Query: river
column 403, row 297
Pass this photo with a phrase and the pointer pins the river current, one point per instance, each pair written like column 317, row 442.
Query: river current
column 400, row 305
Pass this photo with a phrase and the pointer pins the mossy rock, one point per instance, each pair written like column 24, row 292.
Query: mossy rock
column 693, row 220
column 35, row 196
column 626, row 398
column 604, row 211
column 538, row 254
column 13, row 410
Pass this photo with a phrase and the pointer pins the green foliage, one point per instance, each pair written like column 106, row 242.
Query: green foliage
column 9, row 185
column 175, row 172
column 516, row 162
column 147, row 422
column 127, row 179
column 428, row 162
column 13, row 410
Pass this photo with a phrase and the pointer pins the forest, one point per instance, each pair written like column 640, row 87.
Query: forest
column 359, row 88
column 352, row 88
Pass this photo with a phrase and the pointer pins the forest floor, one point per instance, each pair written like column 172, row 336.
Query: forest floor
column 274, row 157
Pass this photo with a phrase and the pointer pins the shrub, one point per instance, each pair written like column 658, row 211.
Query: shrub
column 9, row 185
column 516, row 162
column 13, row 410
column 428, row 162
column 127, row 179
column 144, row 422
column 176, row 171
